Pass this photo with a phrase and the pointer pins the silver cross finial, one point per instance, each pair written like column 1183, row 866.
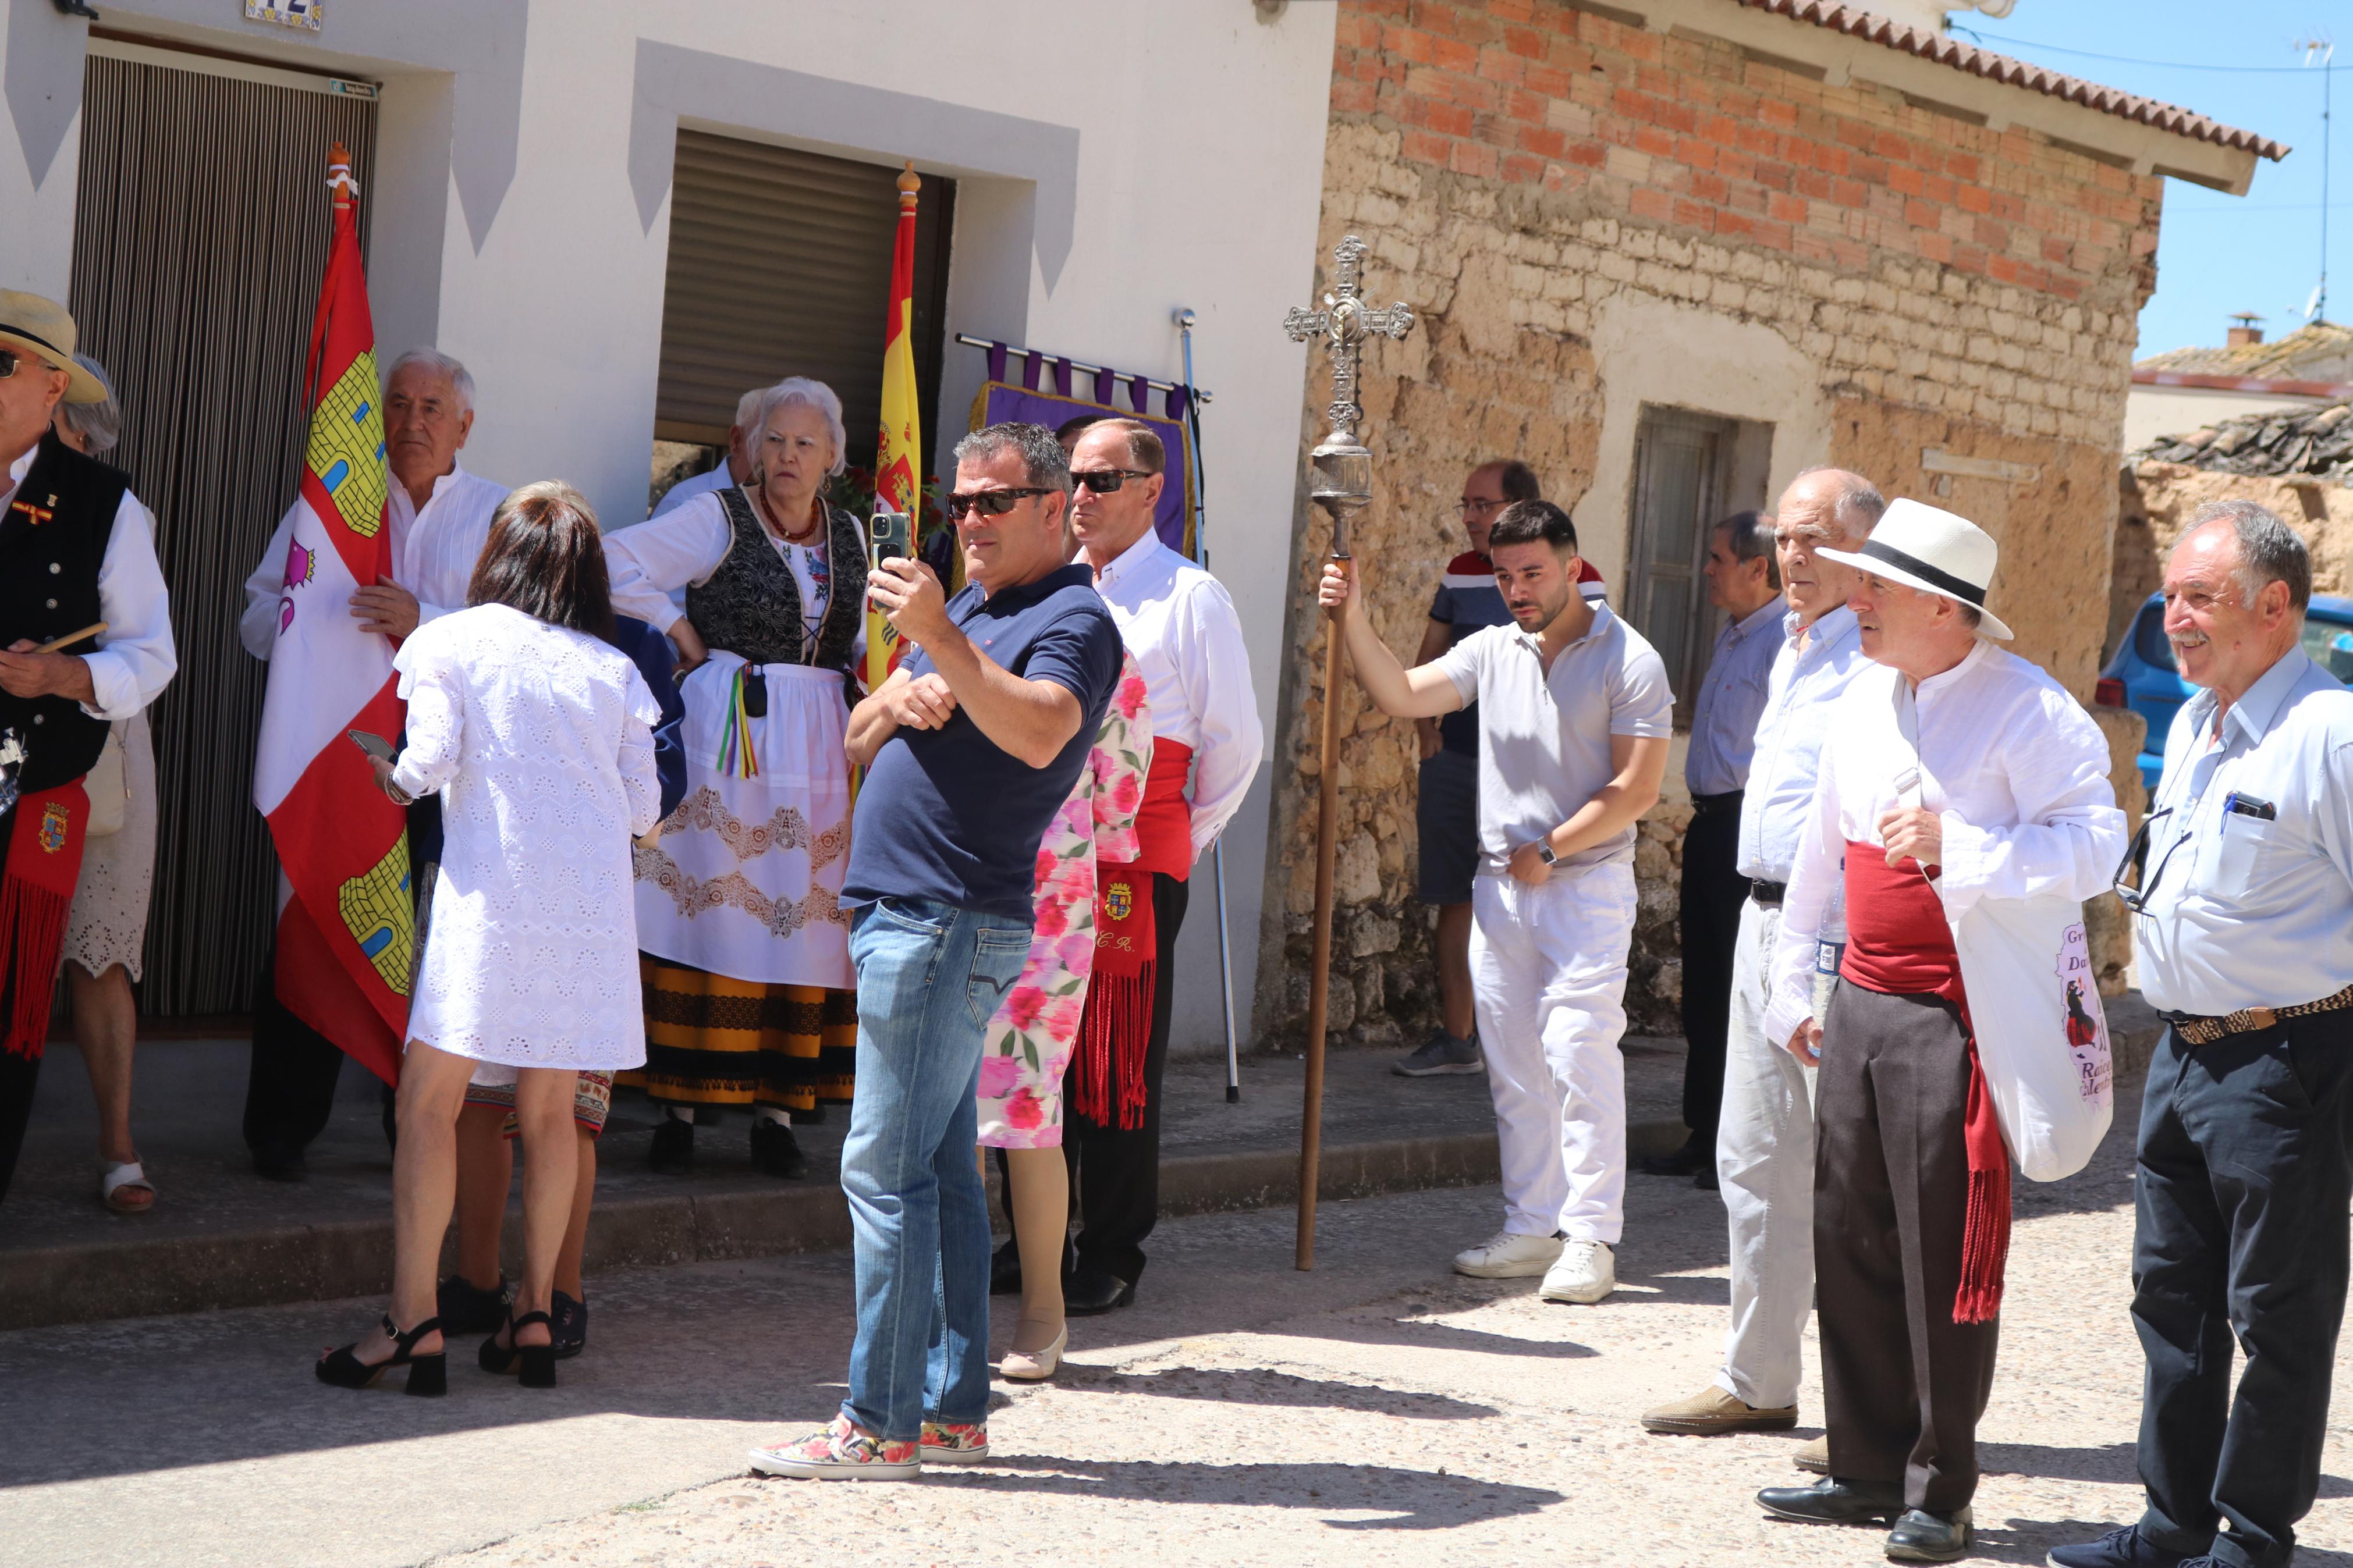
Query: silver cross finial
column 1343, row 323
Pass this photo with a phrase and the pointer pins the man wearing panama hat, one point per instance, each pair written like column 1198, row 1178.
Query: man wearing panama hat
column 77, row 549
column 1956, row 777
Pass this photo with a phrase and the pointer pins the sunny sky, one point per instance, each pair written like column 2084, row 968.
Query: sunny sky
column 2240, row 63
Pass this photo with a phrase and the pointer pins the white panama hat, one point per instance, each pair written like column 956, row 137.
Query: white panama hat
column 1934, row 551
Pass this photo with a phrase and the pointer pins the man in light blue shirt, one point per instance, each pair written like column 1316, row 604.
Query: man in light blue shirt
column 1765, row 1136
column 2244, row 920
column 1744, row 583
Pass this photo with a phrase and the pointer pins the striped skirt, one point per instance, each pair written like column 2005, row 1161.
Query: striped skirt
column 712, row 1040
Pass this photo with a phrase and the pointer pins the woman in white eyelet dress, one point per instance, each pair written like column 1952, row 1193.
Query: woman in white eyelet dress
column 538, row 735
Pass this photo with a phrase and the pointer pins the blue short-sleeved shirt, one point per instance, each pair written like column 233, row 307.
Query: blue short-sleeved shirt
column 946, row 814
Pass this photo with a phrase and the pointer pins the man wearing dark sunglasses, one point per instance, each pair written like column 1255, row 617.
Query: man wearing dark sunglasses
column 1180, row 625
column 971, row 747
column 2242, row 914
column 76, row 548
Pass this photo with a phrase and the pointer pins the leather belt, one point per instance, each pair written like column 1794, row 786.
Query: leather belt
column 2193, row 1030
column 1769, row 894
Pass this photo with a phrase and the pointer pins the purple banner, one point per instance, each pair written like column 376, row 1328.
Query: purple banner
column 999, row 403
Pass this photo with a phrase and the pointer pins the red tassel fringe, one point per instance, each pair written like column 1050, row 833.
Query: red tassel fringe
column 1984, row 1230
column 33, row 924
column 1106, row 1078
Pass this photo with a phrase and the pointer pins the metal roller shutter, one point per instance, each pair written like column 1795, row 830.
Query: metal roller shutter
column 780, row 265
column 200, row 230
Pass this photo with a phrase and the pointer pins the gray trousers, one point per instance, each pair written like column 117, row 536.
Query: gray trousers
column 1765, row 1167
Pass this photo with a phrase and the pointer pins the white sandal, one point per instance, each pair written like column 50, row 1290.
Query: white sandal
column 118, row 1176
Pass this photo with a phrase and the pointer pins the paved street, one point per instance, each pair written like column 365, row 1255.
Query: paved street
column 1378, row 1410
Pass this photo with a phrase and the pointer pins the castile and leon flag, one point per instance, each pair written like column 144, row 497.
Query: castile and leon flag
column 346, row 932
column 899, row 454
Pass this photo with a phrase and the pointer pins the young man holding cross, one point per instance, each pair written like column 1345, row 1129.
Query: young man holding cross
column 1574, row 717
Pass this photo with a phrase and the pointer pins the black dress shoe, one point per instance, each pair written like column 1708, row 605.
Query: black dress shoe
column 465, row 1308
column 776, row 1151
column 1005, row 1271
column 672, row 1153
column 1924, row 1537
column 1704, row 1178
column 1834, row 1501
column 1682, row 1162
column 273, row 1163
column 1091, row 1292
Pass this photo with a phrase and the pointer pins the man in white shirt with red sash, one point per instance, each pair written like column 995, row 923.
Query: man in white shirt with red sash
column 1959, row 777
column 1180, row 625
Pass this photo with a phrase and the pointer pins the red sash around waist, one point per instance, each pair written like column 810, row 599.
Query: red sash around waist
column 1899, row 945
column 40, row 860
column 1163, row 822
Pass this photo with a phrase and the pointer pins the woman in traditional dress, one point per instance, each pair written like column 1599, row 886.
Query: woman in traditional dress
column 538, row 735
column 749, row 995
column 106, row 933
column 1029, row 1041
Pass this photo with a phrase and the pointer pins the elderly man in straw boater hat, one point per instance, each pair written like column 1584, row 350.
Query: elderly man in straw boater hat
column 76, row 549
column 1957, row 776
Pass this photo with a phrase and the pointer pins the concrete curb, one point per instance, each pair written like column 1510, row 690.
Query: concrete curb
column 42, row 1286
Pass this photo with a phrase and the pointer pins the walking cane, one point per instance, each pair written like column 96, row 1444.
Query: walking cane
column 1340, row 482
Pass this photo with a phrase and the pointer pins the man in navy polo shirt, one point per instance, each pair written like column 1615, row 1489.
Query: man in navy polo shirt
column 971, row 747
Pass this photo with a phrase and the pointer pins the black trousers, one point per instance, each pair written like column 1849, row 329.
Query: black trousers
column 1713, row 893
column 1903, row 1383
column 2241, row 1231
column 18, row 1075
column 290, row 1088
column 1115, row 1172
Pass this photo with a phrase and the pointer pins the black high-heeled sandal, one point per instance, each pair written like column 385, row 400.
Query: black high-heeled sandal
column 427, row 1375
column 538, row 1361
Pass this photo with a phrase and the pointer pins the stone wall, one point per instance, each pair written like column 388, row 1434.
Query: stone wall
column 2157, row 500
column 1589, row 218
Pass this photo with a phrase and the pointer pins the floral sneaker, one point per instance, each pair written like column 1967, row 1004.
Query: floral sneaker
column 955, row 1442
column 840, row 1452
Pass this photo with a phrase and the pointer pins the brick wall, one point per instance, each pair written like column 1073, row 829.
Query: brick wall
column 1566, row 200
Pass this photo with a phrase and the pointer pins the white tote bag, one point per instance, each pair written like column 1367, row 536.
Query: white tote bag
column 2034, row 1004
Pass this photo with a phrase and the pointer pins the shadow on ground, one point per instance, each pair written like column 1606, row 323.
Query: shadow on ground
column 1414, row 1500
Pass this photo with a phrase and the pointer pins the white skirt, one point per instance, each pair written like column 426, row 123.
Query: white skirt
column 744, row 879
column 108, row 924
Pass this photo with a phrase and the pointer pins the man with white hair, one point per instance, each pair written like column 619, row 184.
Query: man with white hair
column 1763, row 1152
column 439, row 516
column 2243, row 1180
column 1955, row 779
column 751, row 414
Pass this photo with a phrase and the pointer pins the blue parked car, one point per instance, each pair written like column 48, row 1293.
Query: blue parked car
column 2142, row 678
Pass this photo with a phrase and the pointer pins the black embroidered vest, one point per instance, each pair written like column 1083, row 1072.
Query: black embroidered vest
column 752, row 605
column 53, row 541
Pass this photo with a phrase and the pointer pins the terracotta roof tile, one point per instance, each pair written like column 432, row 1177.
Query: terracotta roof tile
column 2320, row 351
column 1928, row 44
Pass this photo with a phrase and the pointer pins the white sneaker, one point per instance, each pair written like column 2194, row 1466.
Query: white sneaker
column 1509, row 1257
column 1586, row 1272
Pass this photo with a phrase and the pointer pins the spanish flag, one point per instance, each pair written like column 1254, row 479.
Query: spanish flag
column 345, row 934
column 899, row 454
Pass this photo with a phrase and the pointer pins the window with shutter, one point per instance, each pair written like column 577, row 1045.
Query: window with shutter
column 1679, row 463
column 780, row 265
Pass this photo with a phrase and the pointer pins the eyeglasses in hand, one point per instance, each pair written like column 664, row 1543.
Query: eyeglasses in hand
column 990, row 503
column 2136, row 898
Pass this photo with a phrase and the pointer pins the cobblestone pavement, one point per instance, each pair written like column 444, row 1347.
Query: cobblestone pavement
column 1379, row 1410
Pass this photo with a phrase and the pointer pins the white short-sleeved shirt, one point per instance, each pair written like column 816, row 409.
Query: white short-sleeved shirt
column 1543, row 737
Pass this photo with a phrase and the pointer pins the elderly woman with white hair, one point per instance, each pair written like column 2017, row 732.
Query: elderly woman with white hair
column 749, row 995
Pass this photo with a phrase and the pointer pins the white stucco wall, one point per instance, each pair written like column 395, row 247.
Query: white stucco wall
column 2154, row 411
column 1116, row 159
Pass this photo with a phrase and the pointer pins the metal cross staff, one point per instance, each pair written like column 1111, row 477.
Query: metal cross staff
column 1340, row 482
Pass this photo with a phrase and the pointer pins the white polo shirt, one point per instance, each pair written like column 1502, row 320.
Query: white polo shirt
column 1544, row 736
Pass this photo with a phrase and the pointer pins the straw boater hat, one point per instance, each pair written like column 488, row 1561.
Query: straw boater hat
column 1934, row 551
column 42, row 328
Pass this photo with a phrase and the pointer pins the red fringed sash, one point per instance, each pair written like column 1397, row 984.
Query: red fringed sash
column 1107, row 1080
column 1897, row 943
column 42, row 862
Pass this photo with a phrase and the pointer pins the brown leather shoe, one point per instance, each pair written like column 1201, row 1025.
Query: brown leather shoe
column 1712, row 1411
column 1815, row 1457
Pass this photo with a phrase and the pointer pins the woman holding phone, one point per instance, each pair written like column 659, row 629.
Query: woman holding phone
column 749, row 995
column 538, row 735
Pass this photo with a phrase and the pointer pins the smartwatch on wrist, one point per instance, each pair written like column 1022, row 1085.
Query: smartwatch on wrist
column 1543, row 851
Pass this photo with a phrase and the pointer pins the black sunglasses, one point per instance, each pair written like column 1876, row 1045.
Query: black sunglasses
column 2136, row 898
column 990, row 503
column 1106, row 481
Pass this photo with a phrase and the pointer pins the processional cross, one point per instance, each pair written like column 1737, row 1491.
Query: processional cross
column 1340, row 482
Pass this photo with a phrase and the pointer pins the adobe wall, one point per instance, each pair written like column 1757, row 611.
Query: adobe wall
column 2157, row 500
column 1590, row 217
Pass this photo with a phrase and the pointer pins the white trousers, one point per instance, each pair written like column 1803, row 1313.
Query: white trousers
column 1765, row 1167
column 1549, row 974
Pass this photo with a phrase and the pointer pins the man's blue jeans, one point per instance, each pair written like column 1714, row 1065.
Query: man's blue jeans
column 930, row 977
